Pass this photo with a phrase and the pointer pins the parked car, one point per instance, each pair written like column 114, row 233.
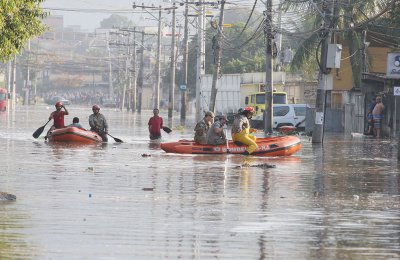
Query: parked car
column 55, row 99
column 285, row 114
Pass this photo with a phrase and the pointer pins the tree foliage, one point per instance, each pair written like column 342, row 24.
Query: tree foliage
column 115, row 20
column 19, row 21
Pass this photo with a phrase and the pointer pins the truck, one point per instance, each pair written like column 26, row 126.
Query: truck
column 257, row 100
column 3, row 99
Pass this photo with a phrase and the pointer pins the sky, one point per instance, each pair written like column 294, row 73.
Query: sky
column 85, row 16
column 90, row 20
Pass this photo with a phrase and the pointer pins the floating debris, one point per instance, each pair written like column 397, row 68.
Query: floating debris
column 146, row 155
column 148, row 189
column 262, row 166
column 7, row 197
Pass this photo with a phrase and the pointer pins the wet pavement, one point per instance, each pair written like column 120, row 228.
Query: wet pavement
column 339, row 201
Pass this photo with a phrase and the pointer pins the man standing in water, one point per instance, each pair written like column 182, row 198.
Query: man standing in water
column 155, row 125
column 377, row 114
column 98, row 123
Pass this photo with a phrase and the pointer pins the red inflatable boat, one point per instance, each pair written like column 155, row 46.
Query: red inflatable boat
column 75, row 135
column 270, row 146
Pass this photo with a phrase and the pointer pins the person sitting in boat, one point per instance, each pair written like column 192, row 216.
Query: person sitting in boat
column 75, row 123
column 202, row 127
column 98, row 123
column 241, row 130
column 58, row 118
column 216, row 134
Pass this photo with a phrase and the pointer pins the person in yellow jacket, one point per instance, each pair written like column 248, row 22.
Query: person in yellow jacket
column 241, row 130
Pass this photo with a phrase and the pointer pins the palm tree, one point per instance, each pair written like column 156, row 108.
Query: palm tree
column 347, row 22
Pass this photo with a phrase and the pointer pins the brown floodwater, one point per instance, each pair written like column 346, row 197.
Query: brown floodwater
column 339, row 201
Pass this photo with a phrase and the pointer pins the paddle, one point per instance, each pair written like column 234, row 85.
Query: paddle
column 167, row 129
column 39, row 131
column 116, row 139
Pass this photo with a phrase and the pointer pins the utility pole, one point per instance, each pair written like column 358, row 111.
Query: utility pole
column 140, row 78
column 27, row 82
column 172, row 65
column 158, row 65
column 200, row 58
column 110, row 86
column 14, row 83
column 217, row 60
column 134, row 84
column 268, row 113
column 185, row 65
column 318, row 130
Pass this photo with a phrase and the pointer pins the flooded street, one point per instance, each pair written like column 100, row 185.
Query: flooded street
column 339, row 201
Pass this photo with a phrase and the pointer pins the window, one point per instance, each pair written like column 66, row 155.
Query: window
column 2, row 96
column 279, row 98
column 300, row 111
column 281, row 111
column 260, row 99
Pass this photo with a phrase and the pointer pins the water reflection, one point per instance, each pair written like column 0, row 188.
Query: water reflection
column 110, row 201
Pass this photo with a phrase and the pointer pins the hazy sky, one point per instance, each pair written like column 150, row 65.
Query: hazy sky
column 89, row 20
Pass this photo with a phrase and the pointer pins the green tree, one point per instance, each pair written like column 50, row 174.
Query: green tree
column 349, row 19
column 115, row 20
column 19, row 21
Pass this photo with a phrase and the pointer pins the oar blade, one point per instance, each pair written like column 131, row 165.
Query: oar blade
column 38, row 132
column 117, row 140
column 167, row 129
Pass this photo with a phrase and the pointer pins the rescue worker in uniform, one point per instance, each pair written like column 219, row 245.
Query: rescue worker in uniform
column 202, row 127
column 58, row 118
column 241, row 130
column 98, row 123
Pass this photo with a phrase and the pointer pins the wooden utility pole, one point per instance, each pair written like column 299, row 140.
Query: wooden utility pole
column 172, row 67
column 185, row 65
column 268, row 113
column 217, row 59
column 318, row 130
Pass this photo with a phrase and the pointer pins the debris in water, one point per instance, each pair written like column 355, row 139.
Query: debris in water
column 146, row 155
column 7, row 197
column 148, row 189
column 90, row 195
column 262, row 166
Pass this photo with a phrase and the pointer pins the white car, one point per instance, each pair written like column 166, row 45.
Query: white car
column 287, row 114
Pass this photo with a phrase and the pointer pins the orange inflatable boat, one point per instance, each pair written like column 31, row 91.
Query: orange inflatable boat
column 270, row 146
column 75, row 135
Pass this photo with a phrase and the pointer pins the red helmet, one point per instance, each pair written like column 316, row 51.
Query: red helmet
column 59, row 104
column 249, row 109
column 95, row 107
